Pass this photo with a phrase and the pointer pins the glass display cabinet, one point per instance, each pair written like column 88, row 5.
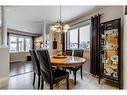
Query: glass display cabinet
column 110, row 44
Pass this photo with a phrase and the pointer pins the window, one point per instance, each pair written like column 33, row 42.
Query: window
column 13, row 44
column 79, row 38
column 28, row 44
column 74, row 38
column 84, row 37
column 19, row 43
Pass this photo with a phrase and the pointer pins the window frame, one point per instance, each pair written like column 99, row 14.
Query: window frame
column 17, row 44
column 10, row 43
column 78, row 28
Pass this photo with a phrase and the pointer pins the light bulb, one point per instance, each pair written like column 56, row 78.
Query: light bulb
column 66, row 26
column 53, row 28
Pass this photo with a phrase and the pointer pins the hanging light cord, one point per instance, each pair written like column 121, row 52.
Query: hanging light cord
column 60, row 26
column 60, row 13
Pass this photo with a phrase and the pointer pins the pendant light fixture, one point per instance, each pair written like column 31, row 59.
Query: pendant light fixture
column 59, row 26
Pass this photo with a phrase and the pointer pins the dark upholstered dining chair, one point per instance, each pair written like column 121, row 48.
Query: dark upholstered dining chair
column 48, row 75
column 69, row 52
column 36, row 67
column 78, row 53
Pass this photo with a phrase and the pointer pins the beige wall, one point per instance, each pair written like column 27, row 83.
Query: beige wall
column 19, row 56
column 86, row 65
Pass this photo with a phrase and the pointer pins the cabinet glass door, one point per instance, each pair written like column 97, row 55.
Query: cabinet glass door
column 109, row 49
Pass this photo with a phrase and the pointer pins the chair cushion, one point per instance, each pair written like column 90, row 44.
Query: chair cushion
column 58, row 75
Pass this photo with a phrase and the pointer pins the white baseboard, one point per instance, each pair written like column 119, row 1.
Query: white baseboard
column 18, row 61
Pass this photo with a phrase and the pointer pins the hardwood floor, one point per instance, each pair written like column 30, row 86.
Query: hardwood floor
column 17, row 68
column 24, row 80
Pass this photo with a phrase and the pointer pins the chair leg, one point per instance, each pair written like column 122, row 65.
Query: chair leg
column 34, row 78
column 38, row 81
column 99, row 79
column 42, row 83
column 70, row 71
column 81, row 72
column 51, row 86
column 74, row 72
column 64, row 69
column 67, row 82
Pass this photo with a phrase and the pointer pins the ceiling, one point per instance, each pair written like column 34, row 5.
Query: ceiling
column 30, row 18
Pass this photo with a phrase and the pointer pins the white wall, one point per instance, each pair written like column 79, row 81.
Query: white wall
column 109, row 13
column 125, row 53
column 51, row 38
column 28, row 27
column 4, row 64
column 0, row 36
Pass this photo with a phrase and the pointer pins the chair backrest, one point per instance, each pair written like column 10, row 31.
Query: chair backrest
column 69, row 52
column 35, row 61
column 78, row 53
column 45, row 65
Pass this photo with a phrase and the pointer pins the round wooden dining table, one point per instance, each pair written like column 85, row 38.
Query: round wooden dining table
column 67, row 61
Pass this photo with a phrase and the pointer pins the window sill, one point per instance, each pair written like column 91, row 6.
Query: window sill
column 19, row 52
